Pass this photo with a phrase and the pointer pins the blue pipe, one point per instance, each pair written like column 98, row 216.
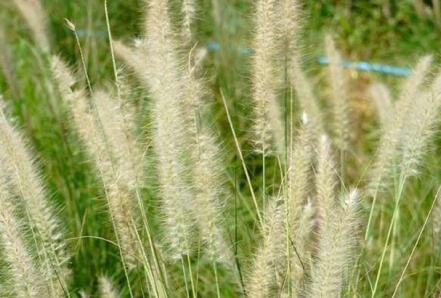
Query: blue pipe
column 359, row 65
column 367, row 66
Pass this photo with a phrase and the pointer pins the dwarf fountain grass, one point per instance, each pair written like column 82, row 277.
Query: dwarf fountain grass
column 299, row 169
column 107, row 290
column 89, row 130
column 380, row 174
column 287, row 23
column 179, row 203
column 325, row 180
column 416, row 132
column 24, row 276
column 170, row 126
column 305, row 96
column 35, row 17
column 120, row 167
column 383, row 170
column 298, row 184
column 188, row 12
column 268, row 127
column 420, row 128
column 336, row 244
column 19, row 167
column 301, row 260
column 266, row 275
column 338, row 96
column 383, row 103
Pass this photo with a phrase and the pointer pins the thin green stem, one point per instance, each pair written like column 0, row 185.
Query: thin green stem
column 217, row 279
column 389, row 233
column 371, row 213
column 193, row 289
column 287, row 111
column 185, row 276
column 239, row 151
column 416, row 243
column 263, row 182
column 288, row 245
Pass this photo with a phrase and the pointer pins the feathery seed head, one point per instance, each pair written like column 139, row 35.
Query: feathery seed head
column 209, row 191
column 25, row 278
column 62, row 74
column 420, row 131
column 325, row 180
column 18, row 165
column 106, row 288
column 305, row 96
column 288, row 23
column 135, row 58
column 268, row 126
column 336, row 249
column 113, row 150
column 169, row 136
column 381, row 97
column 298, row 175
column 270, row 260
column 33, row 12
column 381, row 174
column 339, row 100
column 189, row 12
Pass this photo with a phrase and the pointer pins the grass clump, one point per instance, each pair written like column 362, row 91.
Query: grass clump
column 194, row 193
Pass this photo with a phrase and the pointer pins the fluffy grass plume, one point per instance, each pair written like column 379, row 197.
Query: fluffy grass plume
column 307, row 233
column 24, row 276
column 116, row 126
column 188, row 12
column 299, row 218
column 88, row 126
column 301, row 257
column 382, row 170
column 205, row 168
column 209, row 191
column 287, row 23
column 268, row 126
column 18, row 165
column 135, row 58
column 325, row 181
column 383, row 103
column 34, row 15
column 122, row 173
column 186, row 93
column 336, row 249
column 298, row 173
column 421, row 127
column 338, row 96
column 169, row 129
column 305, row 96
column 266, row 275
column 107, row 290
